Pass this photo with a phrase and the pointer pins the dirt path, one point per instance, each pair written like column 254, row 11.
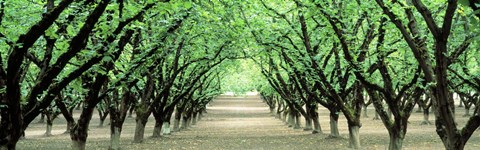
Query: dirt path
column 244, row 123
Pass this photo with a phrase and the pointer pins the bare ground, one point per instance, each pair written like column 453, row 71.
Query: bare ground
column 245, row 123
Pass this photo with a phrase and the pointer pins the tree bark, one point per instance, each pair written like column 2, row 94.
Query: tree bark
column 115, row 137
column 166, row 128
column 285, row 116
column 290, row 120
column 316, row 125
column 334, row 125
column 308, row 124
column 50, row 118
column 365, row 111
column 79, row 133
column 426, row 116
column 176, row 123
column 354, row 137
column 467, row 111
column 42, row 118
column 194, row 118
column 48, row 131
column 101, row 123
column 272, row 109
column 78, row 145
column 297, row 121
column 184, row 123
column 141, row 120
column 396, row 140
column 139, row 130
column 157, row 129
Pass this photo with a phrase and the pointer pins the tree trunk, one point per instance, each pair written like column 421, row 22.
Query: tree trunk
column 455, row 144
column 334, row 125
column 42, row 118
column 316, row 125
column 291, row 120
column 365, row 111
column 176, row 123
column 184, row 123
column 48, row 132
column 50, row 118
column 199, row 115
column 101, row 123
column 354, row 137
column 308, row 124
column 157, row 129
column 426, row 116
column 166, row 128
column 139, row 130
column 194, row 118
column 396, row 141
column 78, row 145
column 115, row 137
column 69, row 127
column 79, row 133
column 467, row 111
column 285, row 115
column 130, row 111
column 297, row 121
column 272, row 109
column 141, row 120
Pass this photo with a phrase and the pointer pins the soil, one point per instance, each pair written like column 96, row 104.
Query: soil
column 244, row 123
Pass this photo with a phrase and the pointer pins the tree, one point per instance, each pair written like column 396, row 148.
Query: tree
column 436, row 75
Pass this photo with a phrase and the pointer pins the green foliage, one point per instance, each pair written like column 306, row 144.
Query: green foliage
column 242, row 76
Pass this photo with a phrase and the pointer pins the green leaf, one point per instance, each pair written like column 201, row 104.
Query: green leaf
column 464, row 2
column 187, row 5
column 107, row 58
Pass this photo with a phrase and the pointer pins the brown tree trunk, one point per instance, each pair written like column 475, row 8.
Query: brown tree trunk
column 297, row 121
column 79, row 132
column 157, row 129
column 194, row 118
column 184, row 123
column 316, row 123
column 141, row 120
column 139, row 130
column 69, row 127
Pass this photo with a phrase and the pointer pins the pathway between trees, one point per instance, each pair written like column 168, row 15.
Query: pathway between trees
column 241, row 123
